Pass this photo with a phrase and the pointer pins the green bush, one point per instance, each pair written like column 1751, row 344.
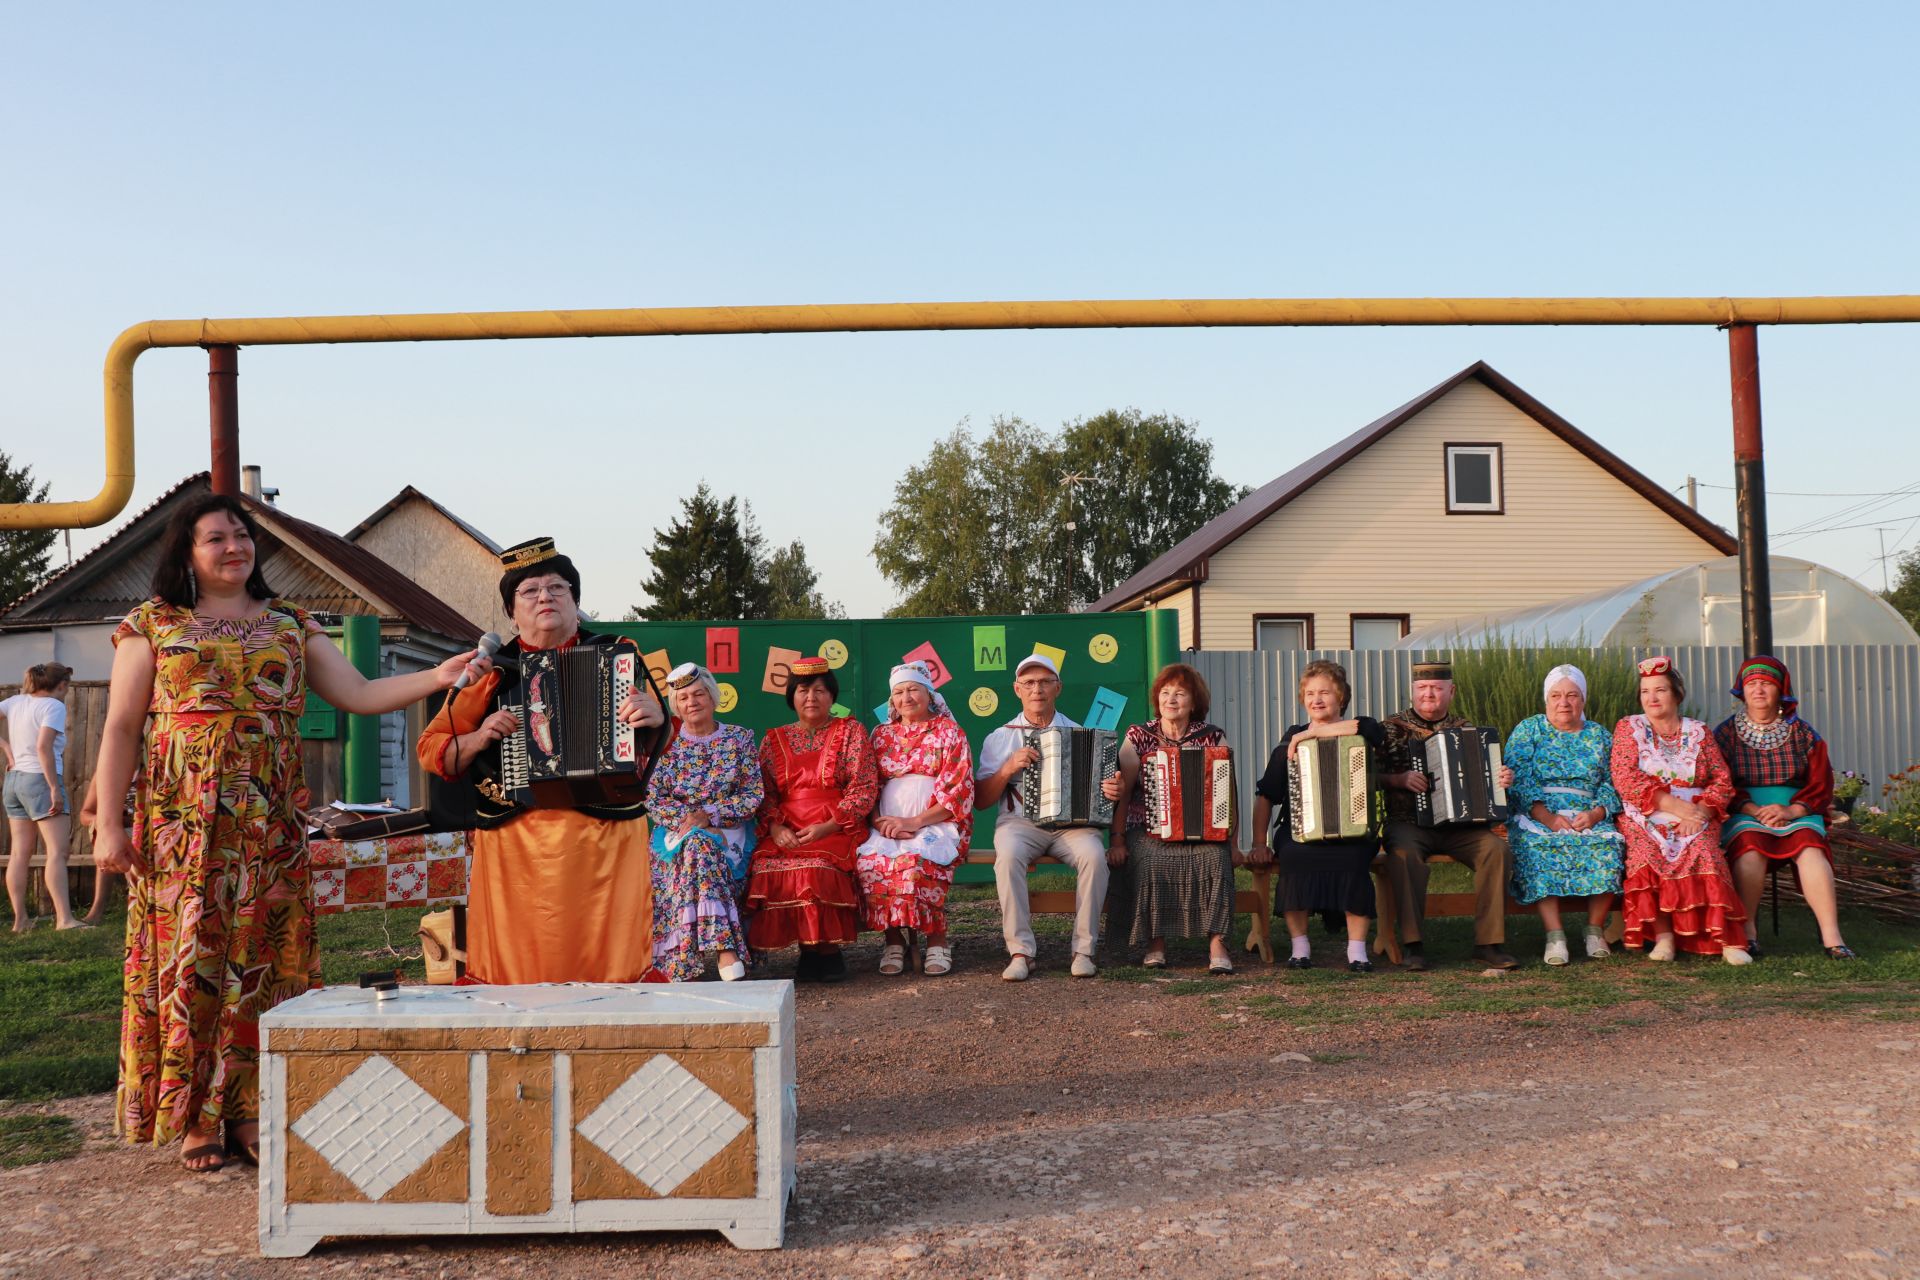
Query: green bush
column 1499, row 685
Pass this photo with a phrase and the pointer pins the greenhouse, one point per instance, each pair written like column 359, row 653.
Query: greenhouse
column 1695, row 605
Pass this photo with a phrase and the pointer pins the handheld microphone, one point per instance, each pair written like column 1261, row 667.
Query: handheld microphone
column 488, row 646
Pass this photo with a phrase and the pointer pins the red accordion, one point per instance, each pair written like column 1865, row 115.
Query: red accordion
column 1189, row 793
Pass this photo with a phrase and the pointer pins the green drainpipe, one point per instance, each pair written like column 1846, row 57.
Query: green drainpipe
column 360, row 636
column 1163, row 640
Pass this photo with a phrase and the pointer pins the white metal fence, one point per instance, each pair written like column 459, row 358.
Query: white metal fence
column 1864, row 699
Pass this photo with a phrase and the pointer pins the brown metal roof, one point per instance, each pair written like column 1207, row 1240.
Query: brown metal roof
column 1187, row 561
column 311, row 566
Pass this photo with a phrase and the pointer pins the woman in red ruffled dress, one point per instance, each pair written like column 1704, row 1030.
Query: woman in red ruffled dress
column 821, row 783
column 1676, row 787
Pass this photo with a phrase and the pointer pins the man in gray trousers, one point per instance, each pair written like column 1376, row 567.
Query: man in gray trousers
column 1017, row 842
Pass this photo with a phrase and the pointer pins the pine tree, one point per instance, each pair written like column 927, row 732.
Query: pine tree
column 25, row 554
column 712, row 562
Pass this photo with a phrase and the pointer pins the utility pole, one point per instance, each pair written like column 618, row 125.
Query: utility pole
column 1885, row 585
column 1693, row 493
column 1071, row 481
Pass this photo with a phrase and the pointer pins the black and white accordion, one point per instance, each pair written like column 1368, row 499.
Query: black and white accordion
column 571, row 749
column 1463, row 767
column 1332, row 790
column 1063, row 787
column 1188, row 792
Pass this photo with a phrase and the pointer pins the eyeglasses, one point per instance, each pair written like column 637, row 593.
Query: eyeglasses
column 554, row 591
column 1037, row 682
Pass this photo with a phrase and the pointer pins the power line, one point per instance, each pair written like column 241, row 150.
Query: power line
column 1801, row 493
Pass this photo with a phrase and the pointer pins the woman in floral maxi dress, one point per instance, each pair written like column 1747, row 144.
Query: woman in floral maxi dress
column 209, row 679
column 702, row 798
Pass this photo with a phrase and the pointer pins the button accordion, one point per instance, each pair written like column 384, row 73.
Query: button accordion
column 570, row 748
column 1332, row 790
column 1188, row 793
column 1062, row 788
column 1463, row 767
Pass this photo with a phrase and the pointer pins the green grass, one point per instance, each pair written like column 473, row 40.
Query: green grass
column 29, row 1138
column 60, row 992
column 60, row 995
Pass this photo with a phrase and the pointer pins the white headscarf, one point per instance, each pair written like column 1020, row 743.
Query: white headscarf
column 678, row 675
column 916, row 673
column 1565, row 671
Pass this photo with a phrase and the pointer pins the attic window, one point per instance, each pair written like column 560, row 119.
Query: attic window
column 1475, row 485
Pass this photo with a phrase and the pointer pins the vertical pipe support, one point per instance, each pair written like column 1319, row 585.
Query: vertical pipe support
column 223, row 416
column 1750, row 490
column 360, row 638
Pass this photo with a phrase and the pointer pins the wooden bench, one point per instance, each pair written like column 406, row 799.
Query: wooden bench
column 1256, row 903
column 1441, row 905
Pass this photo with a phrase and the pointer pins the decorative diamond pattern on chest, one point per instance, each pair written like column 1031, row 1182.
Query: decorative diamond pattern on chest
column 377, row 1127
column 663, row 1124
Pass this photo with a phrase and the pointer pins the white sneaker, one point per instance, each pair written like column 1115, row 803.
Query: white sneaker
column 1557, row 952
column 1018, row 969
column 1736, row 955
column 1084, row 967
column 1597, row 948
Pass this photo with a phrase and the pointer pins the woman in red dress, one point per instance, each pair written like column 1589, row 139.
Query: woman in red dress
column 821, row 784
column 1676, row 788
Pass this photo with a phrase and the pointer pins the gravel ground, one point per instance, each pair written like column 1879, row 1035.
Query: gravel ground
column 967, row 1127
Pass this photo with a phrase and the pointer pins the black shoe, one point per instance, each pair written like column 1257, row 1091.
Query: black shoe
column 1753, row 948
column 1416, row 959
column 808, row 970
column 1493, row 957
column 1359, row 966
column 1299, row 962
column 830, row 966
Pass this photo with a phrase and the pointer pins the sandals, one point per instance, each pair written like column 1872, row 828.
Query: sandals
column 939, row 960
column 893, row 960
column 1841, row 952
column 245, row 1152
column 210, row 1149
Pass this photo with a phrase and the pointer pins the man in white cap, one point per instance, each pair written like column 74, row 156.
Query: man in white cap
column 1017, row 842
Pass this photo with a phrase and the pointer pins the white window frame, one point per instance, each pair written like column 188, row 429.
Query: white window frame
column 1492, row 452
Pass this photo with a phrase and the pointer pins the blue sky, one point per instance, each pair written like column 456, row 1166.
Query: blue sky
column 257, row 160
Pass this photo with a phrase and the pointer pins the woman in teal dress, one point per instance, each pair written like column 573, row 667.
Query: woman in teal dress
column 1562, row 834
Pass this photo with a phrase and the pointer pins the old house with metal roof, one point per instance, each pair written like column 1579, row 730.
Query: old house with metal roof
column 1471, row 499
column 71, row 617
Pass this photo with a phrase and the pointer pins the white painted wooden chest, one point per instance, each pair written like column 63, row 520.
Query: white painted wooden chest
column 571, row 1107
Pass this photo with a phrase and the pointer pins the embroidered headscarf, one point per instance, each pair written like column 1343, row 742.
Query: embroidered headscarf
column 1765, row 667
column 1565, row 671
column 916, row 673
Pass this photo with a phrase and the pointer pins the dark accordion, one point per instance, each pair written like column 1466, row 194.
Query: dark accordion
column 1188, row 792
column 1463, row 767
column 1063, row 787
column 1331, row 790
column 571, row 749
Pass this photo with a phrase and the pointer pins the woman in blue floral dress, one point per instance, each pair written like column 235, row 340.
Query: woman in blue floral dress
column 1562, row 834
column 702, row 800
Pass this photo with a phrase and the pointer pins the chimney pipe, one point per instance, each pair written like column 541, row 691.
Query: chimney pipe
column 250, row 481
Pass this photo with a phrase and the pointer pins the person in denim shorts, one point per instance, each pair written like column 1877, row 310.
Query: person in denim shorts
column 35, row 793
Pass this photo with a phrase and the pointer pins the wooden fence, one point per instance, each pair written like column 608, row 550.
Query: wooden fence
column 86, row 719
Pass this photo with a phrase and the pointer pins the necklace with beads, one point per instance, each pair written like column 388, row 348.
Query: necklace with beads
column 1761, row 737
